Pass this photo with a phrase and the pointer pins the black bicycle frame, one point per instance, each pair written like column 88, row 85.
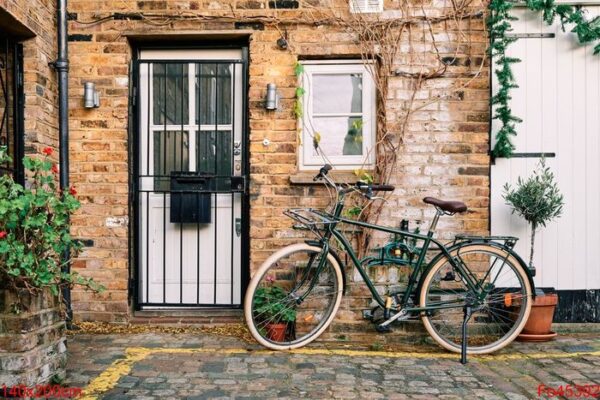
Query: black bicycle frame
column 330, row 230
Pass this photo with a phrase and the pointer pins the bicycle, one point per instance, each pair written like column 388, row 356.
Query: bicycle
column 478, row 281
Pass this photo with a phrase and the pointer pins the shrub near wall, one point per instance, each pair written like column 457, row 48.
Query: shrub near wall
column 34, row 237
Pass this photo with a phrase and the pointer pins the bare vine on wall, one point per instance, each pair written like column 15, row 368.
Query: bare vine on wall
column 380, row 38
column 403, row 41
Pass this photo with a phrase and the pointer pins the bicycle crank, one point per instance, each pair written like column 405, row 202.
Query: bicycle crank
column 401, row 315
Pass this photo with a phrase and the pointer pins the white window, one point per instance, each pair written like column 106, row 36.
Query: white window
column 366, row 6
column 338, row 120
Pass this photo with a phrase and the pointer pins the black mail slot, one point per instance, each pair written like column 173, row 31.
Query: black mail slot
column 190, row 202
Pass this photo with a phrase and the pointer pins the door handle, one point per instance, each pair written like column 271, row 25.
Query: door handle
column 238, row 227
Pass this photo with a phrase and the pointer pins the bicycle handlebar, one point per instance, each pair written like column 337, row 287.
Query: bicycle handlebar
column 323, row 172
column 367, row 189
column 375, row 187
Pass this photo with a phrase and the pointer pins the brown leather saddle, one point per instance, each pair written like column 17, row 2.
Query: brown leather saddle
column 448, row 206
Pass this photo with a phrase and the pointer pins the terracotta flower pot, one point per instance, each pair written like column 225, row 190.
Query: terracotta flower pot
column 539, row 323
column 276, row 332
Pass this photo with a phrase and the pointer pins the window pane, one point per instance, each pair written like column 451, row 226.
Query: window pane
column 171, row 153
column 213, row 93
column 170, row 91
column 340, row 136
column 213, row 155
column 337, row 93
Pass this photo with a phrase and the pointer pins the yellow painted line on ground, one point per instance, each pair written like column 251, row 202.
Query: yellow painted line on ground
column 122, row 367
column 109, row 377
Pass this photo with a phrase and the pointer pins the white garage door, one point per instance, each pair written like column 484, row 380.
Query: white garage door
column 559, row 102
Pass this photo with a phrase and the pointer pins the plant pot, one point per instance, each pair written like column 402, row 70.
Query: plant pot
column 539, row 323
column 276, row 332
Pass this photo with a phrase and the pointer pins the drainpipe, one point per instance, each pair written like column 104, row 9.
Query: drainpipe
column 61, row 65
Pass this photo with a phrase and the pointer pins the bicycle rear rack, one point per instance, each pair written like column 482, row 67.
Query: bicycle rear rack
column 508, row 241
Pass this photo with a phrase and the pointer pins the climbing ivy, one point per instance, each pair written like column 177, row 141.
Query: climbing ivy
column 499, row 25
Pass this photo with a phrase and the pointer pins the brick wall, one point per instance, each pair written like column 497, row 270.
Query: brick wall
column 32, row 343
column 444, row 152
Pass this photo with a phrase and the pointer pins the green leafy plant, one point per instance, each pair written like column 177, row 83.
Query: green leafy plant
column 35, row 229
column 499, row 25
column 537, row 199
column 271, row 304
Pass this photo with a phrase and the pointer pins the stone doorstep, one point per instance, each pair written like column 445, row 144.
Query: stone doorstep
column 204, row 317
column 23, row 342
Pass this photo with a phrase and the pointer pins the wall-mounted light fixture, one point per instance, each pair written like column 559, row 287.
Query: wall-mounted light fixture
column 91, row 98
column 272, row 99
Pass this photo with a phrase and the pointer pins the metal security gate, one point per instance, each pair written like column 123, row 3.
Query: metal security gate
column 11, row 105
column 191, row 178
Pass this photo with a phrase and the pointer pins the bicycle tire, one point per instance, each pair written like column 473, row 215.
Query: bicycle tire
column 257, row 280
column 523, row 312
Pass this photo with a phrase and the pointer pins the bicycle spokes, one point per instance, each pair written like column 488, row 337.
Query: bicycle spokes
column 294, row 297
column 497, row 301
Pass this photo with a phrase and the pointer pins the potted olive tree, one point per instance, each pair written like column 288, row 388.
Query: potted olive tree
column 538, row 200
column 34, row 236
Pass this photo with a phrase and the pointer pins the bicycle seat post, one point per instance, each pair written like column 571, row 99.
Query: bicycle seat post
column 435, row 220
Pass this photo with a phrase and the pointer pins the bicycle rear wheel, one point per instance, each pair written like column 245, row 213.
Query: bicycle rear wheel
column 497, row 319
column 293, row 297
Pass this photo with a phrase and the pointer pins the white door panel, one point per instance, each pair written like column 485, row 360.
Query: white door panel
column 191, row 119
column 559, row 101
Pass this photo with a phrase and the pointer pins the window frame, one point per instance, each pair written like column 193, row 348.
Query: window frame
column 306, row 161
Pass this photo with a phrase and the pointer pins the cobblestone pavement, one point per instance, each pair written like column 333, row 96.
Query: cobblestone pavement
column 184, row 366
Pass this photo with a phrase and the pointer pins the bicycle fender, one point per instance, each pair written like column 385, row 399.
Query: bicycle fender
column 316, row 243
column 497, row 245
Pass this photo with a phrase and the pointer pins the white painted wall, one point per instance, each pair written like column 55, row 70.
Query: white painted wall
column 559, row 101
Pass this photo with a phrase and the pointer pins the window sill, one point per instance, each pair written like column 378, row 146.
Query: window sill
column 306, row 177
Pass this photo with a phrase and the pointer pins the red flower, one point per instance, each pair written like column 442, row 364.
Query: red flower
column 3, row 234
column 72, row 191
column 48, row 151
column 54, row 168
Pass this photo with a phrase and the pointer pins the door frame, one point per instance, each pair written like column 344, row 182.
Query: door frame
column 134, row 161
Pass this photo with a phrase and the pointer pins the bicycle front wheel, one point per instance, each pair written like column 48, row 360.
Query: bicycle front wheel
column 293, row 297
column 499, row 313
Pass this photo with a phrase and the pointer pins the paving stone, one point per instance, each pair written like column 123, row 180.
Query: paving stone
column 282, row 375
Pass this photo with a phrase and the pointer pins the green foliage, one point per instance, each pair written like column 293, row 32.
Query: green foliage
column 35, row 229
column 363, row 176
column 537, row 199
column 316, row 140
column 499, row 24
column 298, row 110
column 376, row 346
column 353, row 211
column 298, row 69
column 271, row 304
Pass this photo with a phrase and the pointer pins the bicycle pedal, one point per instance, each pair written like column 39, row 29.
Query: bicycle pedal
column 383, row 329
